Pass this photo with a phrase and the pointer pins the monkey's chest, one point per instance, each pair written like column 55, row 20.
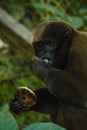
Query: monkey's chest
column 72, row 117
column 78, row 68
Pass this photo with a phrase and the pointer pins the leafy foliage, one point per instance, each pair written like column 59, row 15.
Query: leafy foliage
column 32, row 12
column 7, row 121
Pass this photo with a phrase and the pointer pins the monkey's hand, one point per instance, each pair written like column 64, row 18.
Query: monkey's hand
column 60, row 83
column 23, row 100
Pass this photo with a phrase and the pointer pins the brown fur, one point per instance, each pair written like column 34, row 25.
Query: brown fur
column 68, row 85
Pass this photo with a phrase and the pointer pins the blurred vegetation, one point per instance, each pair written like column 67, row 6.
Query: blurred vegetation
column 14, row 71
column 32, row 12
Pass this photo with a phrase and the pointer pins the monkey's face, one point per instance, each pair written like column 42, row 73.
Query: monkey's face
column 51, row 41
column 45, row 50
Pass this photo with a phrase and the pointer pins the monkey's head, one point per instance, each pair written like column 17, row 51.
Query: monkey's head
column 51, row 41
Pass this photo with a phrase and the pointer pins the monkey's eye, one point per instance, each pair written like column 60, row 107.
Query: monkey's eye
column 51, row 44
column 41, row 44
column 38, row 44
column 68, row 35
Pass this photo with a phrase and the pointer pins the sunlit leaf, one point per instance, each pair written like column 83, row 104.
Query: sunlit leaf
column 43, row 126
column 83, row 11
column 50, row 8
column 7, row 121
column 85, row 17
column 76, row 22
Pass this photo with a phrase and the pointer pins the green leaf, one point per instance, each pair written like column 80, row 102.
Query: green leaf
column 28, row 22
column 49, row 8
column 44, row 126
column 83, row 11
column 76, row 22
column 17, row 11
column 7, row 121
column 85, row 17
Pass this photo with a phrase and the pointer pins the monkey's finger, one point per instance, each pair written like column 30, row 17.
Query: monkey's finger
column 15, row 105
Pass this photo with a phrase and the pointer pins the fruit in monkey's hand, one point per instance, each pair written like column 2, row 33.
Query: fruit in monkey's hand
column 24, row 99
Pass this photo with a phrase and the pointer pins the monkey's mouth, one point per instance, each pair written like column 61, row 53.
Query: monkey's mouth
column 51, row 63
column 47, row 61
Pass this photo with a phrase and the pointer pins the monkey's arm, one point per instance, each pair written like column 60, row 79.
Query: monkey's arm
column 60, row 83
column 46, row 102
column 40, row 100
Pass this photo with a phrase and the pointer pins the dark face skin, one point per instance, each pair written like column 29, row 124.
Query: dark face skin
column 45, row 50
column 51, row 41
